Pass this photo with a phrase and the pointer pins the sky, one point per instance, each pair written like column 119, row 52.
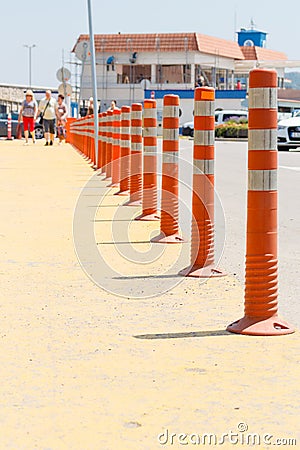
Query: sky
column 54, row 27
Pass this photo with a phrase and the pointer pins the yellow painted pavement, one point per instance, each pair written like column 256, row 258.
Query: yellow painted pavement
column 83, row 369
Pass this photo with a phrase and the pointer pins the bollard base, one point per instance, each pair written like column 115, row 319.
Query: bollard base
column 148, row 217
column 171, row 239
column 133, row 203
column 124, row 193
column 256, row 326
column 113, row 185
column 196, row 271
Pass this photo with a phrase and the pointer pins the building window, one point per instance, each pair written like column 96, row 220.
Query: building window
column 176, row 74
column 135, row 73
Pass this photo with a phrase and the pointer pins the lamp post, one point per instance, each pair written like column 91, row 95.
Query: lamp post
column 30, row 47
column 94, row 77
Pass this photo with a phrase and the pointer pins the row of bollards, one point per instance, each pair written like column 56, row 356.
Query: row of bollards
column 128, row 157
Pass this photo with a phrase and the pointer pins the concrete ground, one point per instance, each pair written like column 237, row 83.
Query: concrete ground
column 84, row 369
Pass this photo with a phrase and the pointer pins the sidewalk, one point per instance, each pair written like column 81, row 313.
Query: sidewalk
column 82, row 369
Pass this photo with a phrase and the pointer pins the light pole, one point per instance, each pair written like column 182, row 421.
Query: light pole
column 30, row 47
column 94, row 77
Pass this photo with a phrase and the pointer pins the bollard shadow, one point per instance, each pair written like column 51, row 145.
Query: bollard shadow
column 128, row 243
column 149, row 277
column 104, row 206
column 97, row 195
column 115, row 220
column 184, row 335
column 99, row 188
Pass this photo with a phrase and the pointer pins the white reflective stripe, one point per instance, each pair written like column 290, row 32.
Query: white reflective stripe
column 170, row 157
column 263, row 98
column 125, row 116
column 83, row 133
column 137, row 131
column 262, row 139
column 206, row 166
column 171, row 111
column 150, row 149
column 125, row 130
column 80, row 133
column 170, row 134
column 262, row 180
column 136, row 147
column 116, row 142
column 204, row 137
column 150, row 132
column 150, row 113
column 124, row 143
column 136, row 115
column 204, row 108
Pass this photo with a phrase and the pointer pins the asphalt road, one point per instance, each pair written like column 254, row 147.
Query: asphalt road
column 231, row 187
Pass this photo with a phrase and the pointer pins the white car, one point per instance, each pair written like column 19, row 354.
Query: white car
column 221, row 116
column 289, row 133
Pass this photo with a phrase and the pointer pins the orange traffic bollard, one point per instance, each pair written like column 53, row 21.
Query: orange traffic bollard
column 125, row 151
column 109, row 124
column 88, row 140
column 202, row 242
column 169, row 226
column 84, row 138
column 115, row 164
column 104, row 142
column 149, row 203
column 9, row 127
column 93, row 142
column 69, row 122
column 136, row 156
column 100, row 141
column 261, row 286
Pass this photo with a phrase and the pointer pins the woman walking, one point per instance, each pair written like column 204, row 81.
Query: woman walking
column 28, row 113
column 61, row 118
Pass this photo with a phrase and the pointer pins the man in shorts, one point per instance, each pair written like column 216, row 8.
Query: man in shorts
column 47, row 108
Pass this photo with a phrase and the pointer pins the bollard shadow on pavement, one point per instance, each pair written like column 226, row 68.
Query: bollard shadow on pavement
column 184, row 335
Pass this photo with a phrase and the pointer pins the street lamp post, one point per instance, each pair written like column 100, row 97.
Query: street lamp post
column 30, row 47
column 94, row 77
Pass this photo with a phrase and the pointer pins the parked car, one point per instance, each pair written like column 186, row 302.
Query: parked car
column 221, row 116
column 39, row 132
column 289, row 133
column 225, row 115
column 188, row 129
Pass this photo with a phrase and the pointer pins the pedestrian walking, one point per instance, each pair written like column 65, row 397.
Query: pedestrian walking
column 27, row 115
column 113, row 105
column 47, row 109
column 90, row 110
column 61, row 118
